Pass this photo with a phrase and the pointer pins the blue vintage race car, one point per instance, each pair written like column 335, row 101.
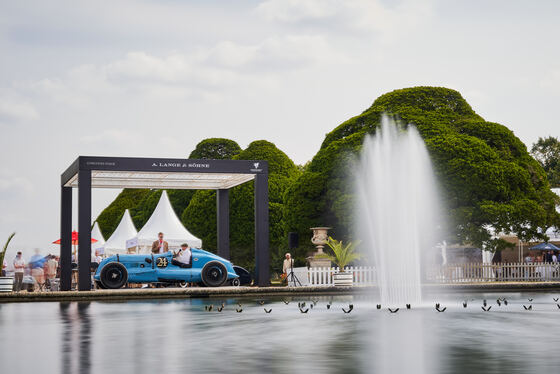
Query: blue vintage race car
column 205, row 268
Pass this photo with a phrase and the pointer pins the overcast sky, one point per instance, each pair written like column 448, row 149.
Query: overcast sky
column 153, row 78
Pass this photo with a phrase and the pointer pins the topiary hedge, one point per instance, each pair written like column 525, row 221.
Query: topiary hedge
column 200, row 215
column 487, row 177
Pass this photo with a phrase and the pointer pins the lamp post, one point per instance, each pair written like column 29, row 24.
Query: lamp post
column 319, row 239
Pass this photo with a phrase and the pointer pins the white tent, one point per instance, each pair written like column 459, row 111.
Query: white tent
column 164, row 220
column 125, row 230
column 96, row 234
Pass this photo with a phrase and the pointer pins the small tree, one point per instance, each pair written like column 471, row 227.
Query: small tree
column 547, row 153
column 342, row 254
column 3, row 253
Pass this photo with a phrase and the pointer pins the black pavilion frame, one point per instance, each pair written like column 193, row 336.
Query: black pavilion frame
column 79, row 175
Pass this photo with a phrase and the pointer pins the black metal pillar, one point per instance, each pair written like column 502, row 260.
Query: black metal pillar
column 222, row 217
column 65, row 238
column 262, row 250
column 84, row 230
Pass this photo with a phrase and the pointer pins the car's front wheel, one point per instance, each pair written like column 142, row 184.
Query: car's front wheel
column 113, row 275
column 235, row 282
column 214, row 274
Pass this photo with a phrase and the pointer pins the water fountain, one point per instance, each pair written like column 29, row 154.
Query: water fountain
column 398, row 209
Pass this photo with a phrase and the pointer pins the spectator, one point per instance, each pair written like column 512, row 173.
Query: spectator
column 528, row 259
column 97, row 257
column 4, row 267
column 160, row 245
column 50, row 268
column 36, row 264
column 19, row 268
column 287, row 266
column 548, row 257
column 554, row 258
column 57, row 259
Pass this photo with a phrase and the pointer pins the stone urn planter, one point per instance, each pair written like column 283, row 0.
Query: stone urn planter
column 344, row 279
column 6, row 284
column 319, row 239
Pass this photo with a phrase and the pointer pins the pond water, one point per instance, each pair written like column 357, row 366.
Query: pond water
column 180, row 336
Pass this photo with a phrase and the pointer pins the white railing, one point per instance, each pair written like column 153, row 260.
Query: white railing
column 503, row 272
column 362, row 275
column 451, row 273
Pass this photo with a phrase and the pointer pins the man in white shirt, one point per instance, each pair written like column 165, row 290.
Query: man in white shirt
column 184, row 254
column 97, row 257
column 288, row 264
column 19, row 268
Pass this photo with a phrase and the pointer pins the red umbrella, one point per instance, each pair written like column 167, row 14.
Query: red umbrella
column 74, row 239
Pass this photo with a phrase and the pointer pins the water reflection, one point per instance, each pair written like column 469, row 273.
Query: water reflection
column 180, row 336
column 75, row 337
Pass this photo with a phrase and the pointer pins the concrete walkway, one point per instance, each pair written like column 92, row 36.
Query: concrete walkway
column 206, row 292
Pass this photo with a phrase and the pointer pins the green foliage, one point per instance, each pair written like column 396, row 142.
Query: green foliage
column 200, row 215
column 3, row 253
column 547, row 153
column 342, row 254
column 216, row 148
column 487, row 177
column 110, row 217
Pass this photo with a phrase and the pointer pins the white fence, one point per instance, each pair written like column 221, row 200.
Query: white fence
column 362, row 275
column 503, row 272
column 456, row 273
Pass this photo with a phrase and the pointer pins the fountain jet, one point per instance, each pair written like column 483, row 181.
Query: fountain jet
column 397, row 209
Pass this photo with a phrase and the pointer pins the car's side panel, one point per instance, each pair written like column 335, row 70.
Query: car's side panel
column 159, row 268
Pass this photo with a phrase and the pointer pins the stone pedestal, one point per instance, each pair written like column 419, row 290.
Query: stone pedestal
column 319, row 262
column 320, row 236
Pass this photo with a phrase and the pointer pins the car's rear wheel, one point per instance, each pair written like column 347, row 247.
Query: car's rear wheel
column 113, row 275
column 214, row 274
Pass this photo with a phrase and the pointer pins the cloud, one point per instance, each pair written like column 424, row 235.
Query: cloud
column 550, row 79
column 385, row 21
column 298, row 10
column 202, row 73
column 12, row 186
column 223, row 62
column 12, row 110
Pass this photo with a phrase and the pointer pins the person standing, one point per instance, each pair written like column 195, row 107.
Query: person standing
column 19, row 268
column 97, row 257
column 160, row 245
column 36, row 263
column 50, row 268
column 4, row 268
column 287, row 265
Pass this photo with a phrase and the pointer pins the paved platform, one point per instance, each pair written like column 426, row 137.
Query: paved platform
column 173, row 293
column 220, row 292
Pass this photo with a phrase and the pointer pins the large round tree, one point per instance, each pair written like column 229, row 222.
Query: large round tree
column 487, row 177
